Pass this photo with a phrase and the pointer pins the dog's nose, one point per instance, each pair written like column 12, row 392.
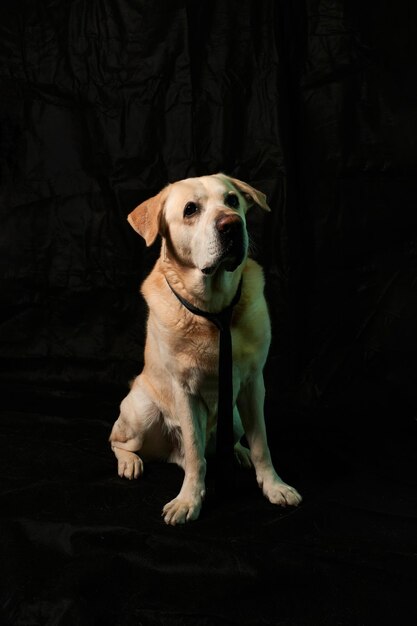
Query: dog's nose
column 228, row 225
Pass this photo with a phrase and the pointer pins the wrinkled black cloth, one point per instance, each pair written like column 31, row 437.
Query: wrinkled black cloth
column 102, row 104
column 82, row 546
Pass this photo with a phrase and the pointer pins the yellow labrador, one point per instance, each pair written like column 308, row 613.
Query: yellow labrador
column 170, row 411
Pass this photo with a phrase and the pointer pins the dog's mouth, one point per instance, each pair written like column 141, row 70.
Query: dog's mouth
column 231, row 257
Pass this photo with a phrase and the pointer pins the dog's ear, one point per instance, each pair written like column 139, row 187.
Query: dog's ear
column 252, row 195
column 146, row 218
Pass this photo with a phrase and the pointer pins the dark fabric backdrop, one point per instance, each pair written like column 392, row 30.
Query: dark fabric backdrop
column 314, row 103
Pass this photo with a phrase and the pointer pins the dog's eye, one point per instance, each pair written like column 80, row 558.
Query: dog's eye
column 190, row 208
column 232, row 200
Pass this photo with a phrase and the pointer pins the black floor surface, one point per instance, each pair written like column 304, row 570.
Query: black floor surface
column 81, row 546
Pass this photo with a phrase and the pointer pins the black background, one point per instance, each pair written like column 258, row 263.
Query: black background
column 102, row 104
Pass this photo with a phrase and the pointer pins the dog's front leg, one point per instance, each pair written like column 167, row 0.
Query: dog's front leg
column 193, row 419
column 250, row 402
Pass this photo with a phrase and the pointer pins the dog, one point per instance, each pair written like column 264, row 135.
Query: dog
column 170, row 411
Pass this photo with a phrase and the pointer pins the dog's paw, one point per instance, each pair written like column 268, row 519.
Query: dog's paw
column 129, row 465
column 242, row 455
column 280, row 493
column 181, row 510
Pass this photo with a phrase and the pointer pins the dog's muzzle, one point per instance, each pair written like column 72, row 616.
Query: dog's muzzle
column 232, row 240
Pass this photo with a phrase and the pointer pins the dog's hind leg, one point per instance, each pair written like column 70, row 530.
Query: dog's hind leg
column 138, row 417
column 242, row 454
column 129, row 464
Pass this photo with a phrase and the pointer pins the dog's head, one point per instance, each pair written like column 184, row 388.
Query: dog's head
column 202, row 221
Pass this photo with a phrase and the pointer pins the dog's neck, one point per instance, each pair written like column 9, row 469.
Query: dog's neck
column 209, row 293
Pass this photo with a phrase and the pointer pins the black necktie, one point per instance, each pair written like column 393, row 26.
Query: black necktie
column 224, row 436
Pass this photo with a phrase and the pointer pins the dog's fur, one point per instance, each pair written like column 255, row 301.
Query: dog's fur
column 170, row 412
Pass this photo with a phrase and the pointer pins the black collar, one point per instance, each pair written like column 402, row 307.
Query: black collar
column 220, row 319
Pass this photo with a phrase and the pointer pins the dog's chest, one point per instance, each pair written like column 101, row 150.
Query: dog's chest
column 198, row 358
